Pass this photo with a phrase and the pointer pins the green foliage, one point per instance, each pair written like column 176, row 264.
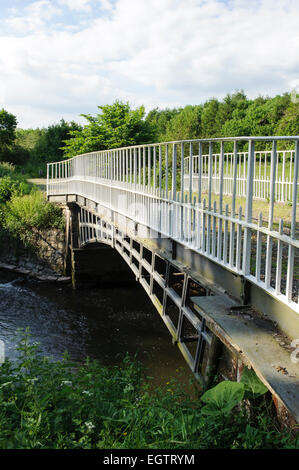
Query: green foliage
column 13, row 185
column 289, row 124
column 25, row 214
column 185, row 124
column 8, row 124
column 48, row 146
column 66, row 405
column 159, row 120
column 222, row 398
column 9, row 150
column 235, row 115
column 252, row 384
column 117, row 126
column 6, row 168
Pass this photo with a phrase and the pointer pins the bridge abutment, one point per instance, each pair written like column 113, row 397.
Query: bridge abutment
column 94, row 264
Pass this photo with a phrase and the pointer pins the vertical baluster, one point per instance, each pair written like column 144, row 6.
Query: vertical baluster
column 279, row 260
column 174, row 171
column 271, row 213
column 214, row 230
column 166, row 169
column 283, row 177
column 204, row 217
column 248, row 210
column 155, row 165
column 149, row 178
column 221, row 165
column 225, row 236
column 199, row 171
column 258, row 248
column 144, row 166
column 291, row 254
column 190, row 172
column 233, row 211
column 239, row 241
column 182, row 172
column 139, row 166
column 210, row 170
column 160, row 169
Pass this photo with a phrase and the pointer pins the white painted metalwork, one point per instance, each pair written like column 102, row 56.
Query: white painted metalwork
column 283, row 179
column 185, row 199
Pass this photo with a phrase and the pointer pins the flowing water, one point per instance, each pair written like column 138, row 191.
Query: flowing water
column 102, row 324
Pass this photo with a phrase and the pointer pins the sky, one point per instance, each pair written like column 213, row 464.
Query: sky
column 61, row 58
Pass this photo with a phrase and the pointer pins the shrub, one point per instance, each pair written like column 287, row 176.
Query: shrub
column 13, row 186
column 6, row 168
column 23, row 214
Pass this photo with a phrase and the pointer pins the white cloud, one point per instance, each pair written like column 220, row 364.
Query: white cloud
column 77, row 5
column 152, row 52
column 34, row 18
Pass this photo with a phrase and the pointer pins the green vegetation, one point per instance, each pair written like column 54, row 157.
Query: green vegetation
column 23, row 208
column 47, row 404
column 24, row 215
column 119, row 125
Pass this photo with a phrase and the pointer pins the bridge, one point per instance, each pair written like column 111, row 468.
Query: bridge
column 209, row 229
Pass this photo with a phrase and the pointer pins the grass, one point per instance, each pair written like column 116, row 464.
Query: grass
column 66, row 405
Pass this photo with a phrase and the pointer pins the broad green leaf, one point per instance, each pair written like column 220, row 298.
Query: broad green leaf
column 252, row 383
column 223, row 398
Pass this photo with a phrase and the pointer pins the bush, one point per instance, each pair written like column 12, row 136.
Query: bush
column 6, row 168
column 11, row 186
column 47, row 404
column 23, row 214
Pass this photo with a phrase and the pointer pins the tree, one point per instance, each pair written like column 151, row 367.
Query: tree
column 185, row 125
column 208, row 116
column 8, row 124
column 159, row 120
column 9, row 150
column 116, row 126
column 49, row 143
column 289, row 124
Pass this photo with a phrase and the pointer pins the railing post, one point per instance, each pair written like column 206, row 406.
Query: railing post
column 248, row 210
column 190, row 172
column 48, row 180
column 271, row 213
column 174, row 171
column 291, row 253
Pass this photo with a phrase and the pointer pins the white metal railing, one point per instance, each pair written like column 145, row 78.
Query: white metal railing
column 261, row 177
column 147, row 183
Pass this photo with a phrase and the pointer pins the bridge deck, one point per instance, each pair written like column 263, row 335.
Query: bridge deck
column 258, row 344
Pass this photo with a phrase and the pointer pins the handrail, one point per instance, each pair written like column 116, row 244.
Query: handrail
column 157, row 185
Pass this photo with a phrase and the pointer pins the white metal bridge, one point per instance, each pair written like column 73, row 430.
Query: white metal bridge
column 232, row 201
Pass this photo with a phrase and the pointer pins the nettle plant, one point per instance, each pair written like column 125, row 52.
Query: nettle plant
column 221, row 399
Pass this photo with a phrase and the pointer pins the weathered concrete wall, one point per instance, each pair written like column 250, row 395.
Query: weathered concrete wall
column 45, row 260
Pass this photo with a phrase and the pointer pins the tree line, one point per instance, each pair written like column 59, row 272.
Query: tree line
column 119, row 125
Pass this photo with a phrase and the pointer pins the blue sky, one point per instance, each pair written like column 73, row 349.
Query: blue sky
column 60, row 58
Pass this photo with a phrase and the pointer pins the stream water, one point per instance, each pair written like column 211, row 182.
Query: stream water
column 102, row 324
